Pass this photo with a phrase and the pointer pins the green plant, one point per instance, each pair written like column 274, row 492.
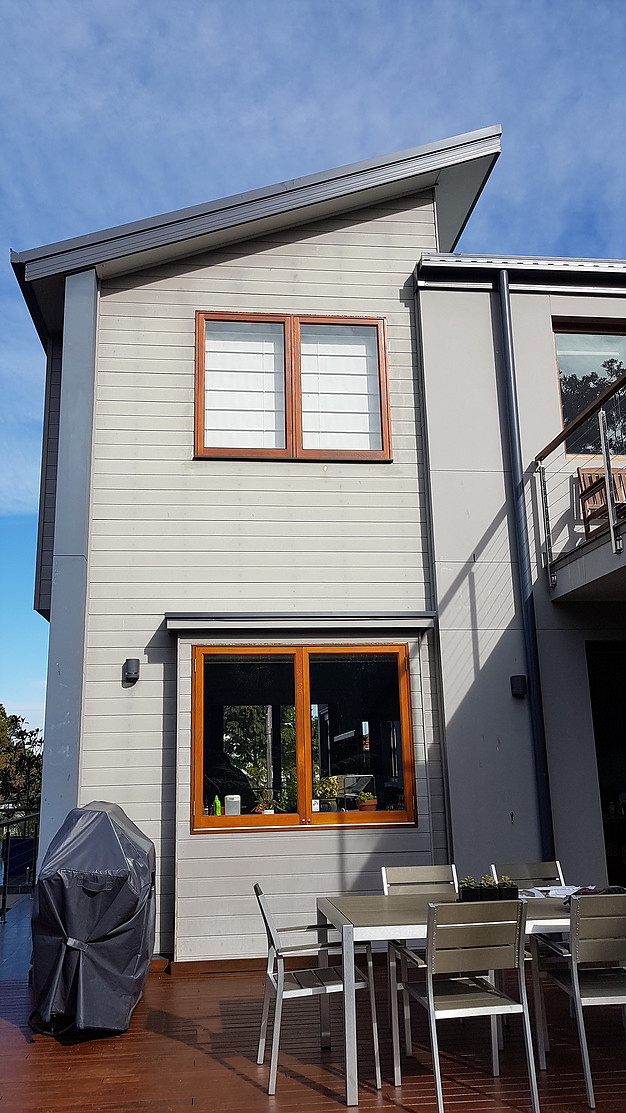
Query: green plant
column 286, row 801
column 363, row 796
column 468, row 883
column 326, row 788
column 488, row 881
column 506, row 880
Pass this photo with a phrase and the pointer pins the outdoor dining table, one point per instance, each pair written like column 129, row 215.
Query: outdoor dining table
column 377, row 918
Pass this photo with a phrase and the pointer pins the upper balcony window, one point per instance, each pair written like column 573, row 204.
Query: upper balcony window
column 588, row 363
column 291, row 387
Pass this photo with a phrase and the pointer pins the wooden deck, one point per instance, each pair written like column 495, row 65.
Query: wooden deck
column 192, row 1041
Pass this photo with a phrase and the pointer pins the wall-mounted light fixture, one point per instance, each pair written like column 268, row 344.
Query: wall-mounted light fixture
column 130, row 670
column 519, row 686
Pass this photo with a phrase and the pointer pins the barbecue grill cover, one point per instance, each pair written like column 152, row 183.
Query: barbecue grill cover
column 93, row 920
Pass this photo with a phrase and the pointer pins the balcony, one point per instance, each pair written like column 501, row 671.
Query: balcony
column 582, row 501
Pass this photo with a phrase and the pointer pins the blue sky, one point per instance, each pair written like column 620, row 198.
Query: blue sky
column 118, row 111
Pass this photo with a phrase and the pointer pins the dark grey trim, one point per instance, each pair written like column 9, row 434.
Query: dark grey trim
column 43, row 562
column 69, row 581
column 524, row 574
column 405, row 622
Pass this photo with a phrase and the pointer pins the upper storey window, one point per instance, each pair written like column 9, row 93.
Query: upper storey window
column 588, row 363
column 291, row 387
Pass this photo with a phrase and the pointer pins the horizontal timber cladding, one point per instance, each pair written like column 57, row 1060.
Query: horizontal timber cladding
column 170, row 533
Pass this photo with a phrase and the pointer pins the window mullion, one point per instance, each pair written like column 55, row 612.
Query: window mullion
column 297, row 387
column 303, row 734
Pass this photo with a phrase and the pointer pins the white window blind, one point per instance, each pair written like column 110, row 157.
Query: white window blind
column 244, row 384
column 340, row 387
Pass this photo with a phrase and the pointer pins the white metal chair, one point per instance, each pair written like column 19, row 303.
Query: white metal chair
column 313, row 982
column 433, row 882
column 597, row 945
column 464, row 940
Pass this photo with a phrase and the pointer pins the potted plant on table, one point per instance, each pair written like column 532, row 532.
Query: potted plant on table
column 489, row 888
column 508, row 889
column 366, row 802
column 469, row 889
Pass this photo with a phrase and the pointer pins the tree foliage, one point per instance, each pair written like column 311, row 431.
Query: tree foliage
column 577, row 392
column 21, row 752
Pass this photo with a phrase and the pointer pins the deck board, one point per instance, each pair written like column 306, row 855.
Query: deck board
column 191, row 1046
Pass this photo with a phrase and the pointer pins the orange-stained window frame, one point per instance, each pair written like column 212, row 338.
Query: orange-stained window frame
column 305, row 817
column 293, row 449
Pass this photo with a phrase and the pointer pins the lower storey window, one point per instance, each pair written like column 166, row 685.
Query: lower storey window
column 284, row 736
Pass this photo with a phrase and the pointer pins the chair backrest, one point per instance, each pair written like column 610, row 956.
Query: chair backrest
column 598, row 928
column 273, row 939
column 529, row 875
column 440, row 881
column 472, row 936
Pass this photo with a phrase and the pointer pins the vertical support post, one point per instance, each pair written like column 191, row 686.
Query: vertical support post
column 616, row 542
column 541, row 472
column 5, row 875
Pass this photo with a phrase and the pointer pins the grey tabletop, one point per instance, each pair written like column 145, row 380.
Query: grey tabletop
column 381, row 917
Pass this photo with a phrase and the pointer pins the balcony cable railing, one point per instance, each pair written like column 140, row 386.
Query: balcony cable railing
column 19, row 837
column 576, row 507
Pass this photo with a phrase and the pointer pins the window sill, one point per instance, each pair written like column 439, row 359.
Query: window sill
column 325, row 820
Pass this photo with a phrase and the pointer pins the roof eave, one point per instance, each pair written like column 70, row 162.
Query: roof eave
column 457, row 167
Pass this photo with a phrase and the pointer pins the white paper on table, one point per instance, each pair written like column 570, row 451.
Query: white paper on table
column 561, row 891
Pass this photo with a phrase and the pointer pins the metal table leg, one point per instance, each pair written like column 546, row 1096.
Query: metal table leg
column 349, row 1015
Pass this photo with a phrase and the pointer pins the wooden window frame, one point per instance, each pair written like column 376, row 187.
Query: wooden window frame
column 305, row 817
column 293, row 449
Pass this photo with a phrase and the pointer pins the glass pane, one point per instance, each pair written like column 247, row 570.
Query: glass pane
column 588, row 363
column 355, row 732
column 249, row 734
column 244, row 382
column 340, row 387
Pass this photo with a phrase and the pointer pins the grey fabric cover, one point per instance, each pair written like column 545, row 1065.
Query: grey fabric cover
column 93, row 920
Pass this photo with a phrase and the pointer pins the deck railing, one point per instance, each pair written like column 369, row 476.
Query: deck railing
column 19, row 837
column 582, row 489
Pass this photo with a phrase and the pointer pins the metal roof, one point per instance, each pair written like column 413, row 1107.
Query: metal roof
column 456, row 168
column 519, row 262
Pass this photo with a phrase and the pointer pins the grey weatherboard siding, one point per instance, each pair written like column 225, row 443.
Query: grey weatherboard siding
column 170, row 533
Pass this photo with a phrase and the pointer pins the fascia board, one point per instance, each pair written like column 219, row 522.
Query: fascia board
column 441, row 261
column 405, row 172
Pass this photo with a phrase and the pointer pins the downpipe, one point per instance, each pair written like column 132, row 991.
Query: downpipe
column 522, row 550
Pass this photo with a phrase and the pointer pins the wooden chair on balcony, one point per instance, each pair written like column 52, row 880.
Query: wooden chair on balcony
column 592, row 490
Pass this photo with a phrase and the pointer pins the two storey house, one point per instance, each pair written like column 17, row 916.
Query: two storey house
column 301, row 623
